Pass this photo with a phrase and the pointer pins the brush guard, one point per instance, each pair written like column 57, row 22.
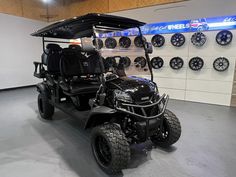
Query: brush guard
column 140, row 112
column 130, row 108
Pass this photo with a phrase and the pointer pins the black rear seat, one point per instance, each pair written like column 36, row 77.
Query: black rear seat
column 51, row 58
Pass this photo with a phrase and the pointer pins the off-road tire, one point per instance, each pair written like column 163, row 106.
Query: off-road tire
column 118, row 146
column 46, row 110
column 174, row 130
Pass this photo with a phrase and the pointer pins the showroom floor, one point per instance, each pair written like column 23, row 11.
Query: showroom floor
column 31, row 147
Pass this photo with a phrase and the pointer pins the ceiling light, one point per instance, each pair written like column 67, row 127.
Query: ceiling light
column 47, row 1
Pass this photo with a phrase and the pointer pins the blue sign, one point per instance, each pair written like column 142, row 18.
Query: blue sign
column 202, row 24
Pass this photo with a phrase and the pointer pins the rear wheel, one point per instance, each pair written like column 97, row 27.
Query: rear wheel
column 46, row 110
column 171, row 131
column 110, row 148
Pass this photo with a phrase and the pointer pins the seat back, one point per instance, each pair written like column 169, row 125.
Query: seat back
column 71, row 62
column 95, row 67
column 74, row 63
column 51, row 58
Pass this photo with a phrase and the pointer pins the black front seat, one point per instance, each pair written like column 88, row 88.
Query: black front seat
column 76, row 64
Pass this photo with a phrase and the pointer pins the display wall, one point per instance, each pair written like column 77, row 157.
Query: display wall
column 18, row 51
column 207, row 84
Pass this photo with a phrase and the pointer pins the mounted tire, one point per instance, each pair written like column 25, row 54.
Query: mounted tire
column 46, row 110
column 110, row 148
column 171, row 131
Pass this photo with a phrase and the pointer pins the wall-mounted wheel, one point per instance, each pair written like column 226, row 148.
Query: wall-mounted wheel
column 196, row 63
column 98, row 42
column 221, row 64
column 177, row 40
column 224, row 37
column 125, row 42
column 198, row 39
column 158, row 40
column 110, row 148
column 157, row 62
column 110, row 62
column 125, row 62
column 110, row 43
column 140, row 62
column 176, row 63
column 138, row 41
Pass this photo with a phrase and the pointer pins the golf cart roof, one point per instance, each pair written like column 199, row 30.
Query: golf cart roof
column 82, row 26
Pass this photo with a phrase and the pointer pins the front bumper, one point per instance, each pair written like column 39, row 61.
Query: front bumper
column 131, row 109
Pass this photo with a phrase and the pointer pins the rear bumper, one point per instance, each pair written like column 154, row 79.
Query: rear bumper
column 130, row 108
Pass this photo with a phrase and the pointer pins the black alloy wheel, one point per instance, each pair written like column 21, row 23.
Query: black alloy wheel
column 102, row 150
column 125, row 61
column 170, row 131
column 98, row 42
column 221, row 64
column 110, row 148
column 140, row 62
column 110, row 43
column 138, row 41
column 196, row 63
column 125, row 42
column 158, row 40
column 176, row 63
column 157, row 62
column 224, row 37
column 198, row 39
column 178, row 40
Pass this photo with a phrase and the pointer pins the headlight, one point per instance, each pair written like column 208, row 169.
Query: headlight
column 122, row 96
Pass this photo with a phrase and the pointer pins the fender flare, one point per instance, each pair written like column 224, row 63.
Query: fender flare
column 99, row 115
column 43, row 88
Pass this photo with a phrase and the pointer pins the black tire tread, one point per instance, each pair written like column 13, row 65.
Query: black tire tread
column 175, row 130
column 120, row 147
column 47, row 107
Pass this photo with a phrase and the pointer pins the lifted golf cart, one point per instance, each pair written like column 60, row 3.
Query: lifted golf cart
column 121, row 110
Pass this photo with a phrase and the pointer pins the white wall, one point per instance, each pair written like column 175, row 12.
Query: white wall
column 182, row 11
column 18, row 50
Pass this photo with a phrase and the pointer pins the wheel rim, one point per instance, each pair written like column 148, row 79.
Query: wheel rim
column 40, row 103
column 102, row 150
column 164, row 132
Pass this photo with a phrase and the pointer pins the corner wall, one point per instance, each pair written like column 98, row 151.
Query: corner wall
column 18, row 50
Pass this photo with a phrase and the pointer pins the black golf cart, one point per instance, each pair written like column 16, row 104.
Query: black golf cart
column 121, row 110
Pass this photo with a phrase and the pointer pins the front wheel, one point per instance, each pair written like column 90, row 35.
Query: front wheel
column 110, row 148
column 170, row 132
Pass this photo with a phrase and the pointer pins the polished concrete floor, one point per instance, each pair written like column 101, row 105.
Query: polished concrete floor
column 30, row 147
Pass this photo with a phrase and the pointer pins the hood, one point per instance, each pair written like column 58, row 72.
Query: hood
column 139, row 89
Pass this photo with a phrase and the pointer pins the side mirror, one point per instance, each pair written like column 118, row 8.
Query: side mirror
column 149, row 47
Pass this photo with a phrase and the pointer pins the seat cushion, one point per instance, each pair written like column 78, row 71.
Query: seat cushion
column 84, row 87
